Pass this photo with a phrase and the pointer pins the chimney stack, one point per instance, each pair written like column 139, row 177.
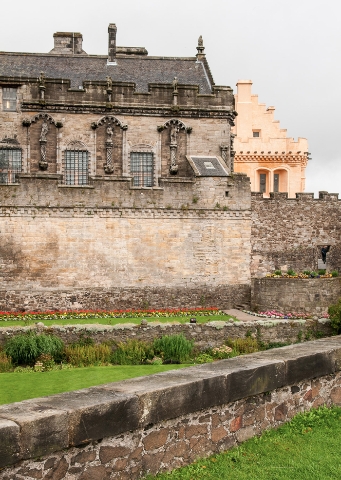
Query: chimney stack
column 112, row 29
column 68, row 43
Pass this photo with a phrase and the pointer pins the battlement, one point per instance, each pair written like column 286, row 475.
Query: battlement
column 301, row 196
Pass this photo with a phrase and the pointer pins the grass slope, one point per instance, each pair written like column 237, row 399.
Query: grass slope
column 306, row 448
column 15, row 387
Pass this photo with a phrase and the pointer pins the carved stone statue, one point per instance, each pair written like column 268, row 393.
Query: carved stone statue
column 42, row 79
column 200, row 41
column 44, row 130
column 110, row 133
column 174, row 134
column 175, row 85
column 109, row 83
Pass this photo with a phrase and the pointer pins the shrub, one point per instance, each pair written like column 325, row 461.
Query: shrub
column 291, row 272
column 243, row 345
column 5, row 363
column 335, row 316
column 306, row 272
column 335, row 273
column 221, row 352
column 132, row 352
column 173, row 348
column 204, row 358
column 87, row 355
column 27, row 347
column 321, row 272
column 278, row 272
column 47, row 361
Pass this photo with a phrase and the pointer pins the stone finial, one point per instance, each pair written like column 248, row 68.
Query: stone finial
column 200, row 48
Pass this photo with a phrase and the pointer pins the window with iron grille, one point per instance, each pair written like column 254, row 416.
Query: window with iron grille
column 10, row 164
column 142, row 169
column 76, row 167
column 262, row 182
column 276, row 182
column 9, row 99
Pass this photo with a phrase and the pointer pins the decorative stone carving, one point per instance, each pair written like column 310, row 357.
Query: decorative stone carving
column 108, row 167
column 175, row 127
column 224, row 153
column 173, row 169
column 175, row 91
column 42, row 87
column 200, row 49
column 43, row 141
column 232, row 152
column 109, row 89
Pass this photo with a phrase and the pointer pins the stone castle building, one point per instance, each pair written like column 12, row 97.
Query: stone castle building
column 115, row 180
column 273, row 161
column 118, row 189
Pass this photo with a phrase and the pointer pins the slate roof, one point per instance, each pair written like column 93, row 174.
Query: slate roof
column 139, row 70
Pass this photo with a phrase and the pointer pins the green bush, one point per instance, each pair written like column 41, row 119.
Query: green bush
column 306, row 272
column 335, row 273
column 335, row 316
column 87, row 355
column 173, row 348
column 241, row 346
column 291, row 272
column 5, row 363
column 204, row 358
column 278, row 272
column 132, row 352
column 27, row 347
column 321, row 271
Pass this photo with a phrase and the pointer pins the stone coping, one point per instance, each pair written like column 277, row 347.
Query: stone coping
column 38, row 427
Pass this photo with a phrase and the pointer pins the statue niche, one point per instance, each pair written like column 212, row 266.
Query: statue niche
column 109, row 145
column 174, row 137
column 43, row 131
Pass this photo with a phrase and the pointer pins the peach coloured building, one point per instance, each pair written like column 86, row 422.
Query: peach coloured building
column 273, row 161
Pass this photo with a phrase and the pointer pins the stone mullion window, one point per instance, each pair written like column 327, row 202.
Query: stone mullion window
column 9, row 99
column 76, row 167
column 10, row 164
column 142, row 169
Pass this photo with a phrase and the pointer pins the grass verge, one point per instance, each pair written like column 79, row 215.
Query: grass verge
column 117, row 321
column 15, row 387
column 305, row 448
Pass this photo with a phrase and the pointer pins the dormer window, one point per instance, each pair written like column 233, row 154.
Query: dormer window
column 9, row 99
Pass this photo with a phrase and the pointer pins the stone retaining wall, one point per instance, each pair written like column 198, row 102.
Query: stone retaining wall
column 306, row 295
column 206, row 335
column 126, row 429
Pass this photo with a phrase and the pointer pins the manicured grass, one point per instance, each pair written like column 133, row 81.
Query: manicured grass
column 15, row 387
column 306, row 448
column 116, row 321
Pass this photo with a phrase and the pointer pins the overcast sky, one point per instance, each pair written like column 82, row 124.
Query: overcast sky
column 289, row 49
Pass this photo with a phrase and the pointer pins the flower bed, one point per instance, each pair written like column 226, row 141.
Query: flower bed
column 84, row 314
column 288, row 316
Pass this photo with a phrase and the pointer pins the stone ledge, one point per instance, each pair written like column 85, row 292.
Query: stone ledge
column 44, row 425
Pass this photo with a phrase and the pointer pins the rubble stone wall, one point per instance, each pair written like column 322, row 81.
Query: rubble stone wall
column 289, row 233
column 124, row 430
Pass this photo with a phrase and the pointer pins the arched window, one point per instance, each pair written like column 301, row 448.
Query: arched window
column 76, row 167
column 10, row 164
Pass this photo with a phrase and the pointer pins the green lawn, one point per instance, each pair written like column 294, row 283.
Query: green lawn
column 307, row 448
column 116, row 321
column 15, row 387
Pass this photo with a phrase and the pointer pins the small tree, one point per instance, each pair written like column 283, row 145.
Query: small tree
column 335, row 316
